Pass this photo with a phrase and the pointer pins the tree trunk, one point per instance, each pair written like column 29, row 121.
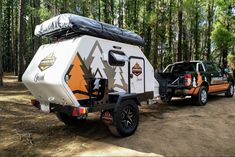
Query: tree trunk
column 180, row 29
column 127, row 14
column 226, row 47
column 99, row 10
column 148, row 28
column 55, row 7
column 210, row 22
column 191, row 57
column 185, row 44
column 106, row 12
column 120, row 14
column 196, row 33
column 112, row 11
column 170, row 34
column 21, row 40
column 155, row 40
column 13, row 50
column 36, row 21
column 7, row 38
column 136, row 21
column 1, row 70
column 15, row 46
column 144, row 20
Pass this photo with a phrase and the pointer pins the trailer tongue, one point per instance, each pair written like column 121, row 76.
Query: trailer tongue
column 89, row 70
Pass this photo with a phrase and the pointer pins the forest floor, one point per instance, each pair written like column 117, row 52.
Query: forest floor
column 176, row 129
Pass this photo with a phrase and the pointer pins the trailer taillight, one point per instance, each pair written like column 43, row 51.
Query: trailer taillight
column 35, row 103
column 187, row 80
column 79, row 111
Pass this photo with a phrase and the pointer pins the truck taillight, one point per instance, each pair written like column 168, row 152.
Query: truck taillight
column 187, row 80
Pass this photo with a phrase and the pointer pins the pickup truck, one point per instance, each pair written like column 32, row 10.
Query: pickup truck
column 196, row 79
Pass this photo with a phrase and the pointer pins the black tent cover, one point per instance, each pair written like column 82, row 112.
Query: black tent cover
column 70, row 24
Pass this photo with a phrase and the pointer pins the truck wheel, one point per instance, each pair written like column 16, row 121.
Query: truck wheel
column 166, row 99
column 69, row 120
column 126, row 119
column 202, row 96
column 230, row 91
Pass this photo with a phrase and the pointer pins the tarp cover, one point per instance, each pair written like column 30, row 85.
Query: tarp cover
column 64, row 23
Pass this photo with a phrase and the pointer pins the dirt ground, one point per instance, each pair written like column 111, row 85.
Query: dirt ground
column 176, row 129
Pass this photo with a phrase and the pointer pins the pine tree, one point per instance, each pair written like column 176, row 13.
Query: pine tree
column 118, row 85
column 97, row 66
column 118, row 77
column 77, row 81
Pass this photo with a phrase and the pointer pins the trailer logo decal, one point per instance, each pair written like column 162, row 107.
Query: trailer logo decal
column 136, row 69
column 47, row 62
column 38, row 77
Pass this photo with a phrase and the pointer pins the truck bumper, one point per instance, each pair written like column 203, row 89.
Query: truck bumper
column 185, row 92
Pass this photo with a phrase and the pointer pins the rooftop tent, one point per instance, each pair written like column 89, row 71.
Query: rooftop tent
column 74, row 25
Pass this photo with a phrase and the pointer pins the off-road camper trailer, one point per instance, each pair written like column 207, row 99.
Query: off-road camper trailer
column 92, row 67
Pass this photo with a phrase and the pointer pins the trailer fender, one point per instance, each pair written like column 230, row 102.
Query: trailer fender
column 131, row 96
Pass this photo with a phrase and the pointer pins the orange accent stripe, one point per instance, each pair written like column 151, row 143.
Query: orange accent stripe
column 220, row 87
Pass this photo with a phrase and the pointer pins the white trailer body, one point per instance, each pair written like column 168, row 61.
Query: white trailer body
column 85, row 73
column 48, row 84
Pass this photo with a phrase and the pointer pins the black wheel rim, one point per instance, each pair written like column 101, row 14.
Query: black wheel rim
column 128, row 117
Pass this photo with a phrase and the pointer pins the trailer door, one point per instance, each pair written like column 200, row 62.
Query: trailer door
column 137, row 75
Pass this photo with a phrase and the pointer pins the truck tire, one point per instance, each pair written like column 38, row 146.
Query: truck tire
column 230, row 91
column 126, row 119
column 202, row 97
column 69, row 120
column 166, row 99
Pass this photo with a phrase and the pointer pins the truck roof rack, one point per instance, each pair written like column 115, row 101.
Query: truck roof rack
column 70, row 25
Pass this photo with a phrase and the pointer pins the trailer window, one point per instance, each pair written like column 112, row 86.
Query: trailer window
column 117, row 58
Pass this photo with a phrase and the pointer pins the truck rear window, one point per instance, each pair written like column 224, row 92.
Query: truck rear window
column 183, row 67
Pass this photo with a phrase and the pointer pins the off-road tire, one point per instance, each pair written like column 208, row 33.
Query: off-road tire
column 126, row 119
column 202, row 97
column 230, row 91
column 69, row 120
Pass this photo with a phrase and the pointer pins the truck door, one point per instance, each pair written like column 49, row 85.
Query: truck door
column 136, row 75
column 218, row 82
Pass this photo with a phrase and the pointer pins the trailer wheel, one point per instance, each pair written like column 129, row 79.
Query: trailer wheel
column 202, row 96
column 126, row 119
column 230, row 91
column 69, row 120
